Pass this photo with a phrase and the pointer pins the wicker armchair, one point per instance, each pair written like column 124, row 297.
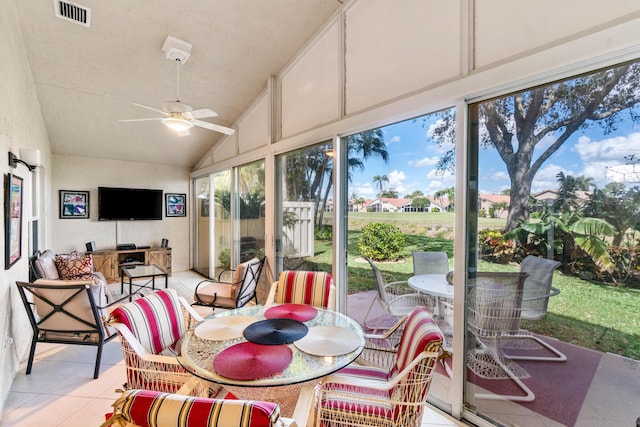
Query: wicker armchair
column 149, row 329
column 371, row 396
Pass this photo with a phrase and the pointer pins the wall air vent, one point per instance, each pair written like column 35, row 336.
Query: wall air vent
column 73, row 12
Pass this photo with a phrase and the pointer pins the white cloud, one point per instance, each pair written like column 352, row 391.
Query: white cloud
column 424, row 162
column 499, row 176
column 614, row 148
column 395, row 181
column 394, row 139
column 546, row 178
column 365, row 190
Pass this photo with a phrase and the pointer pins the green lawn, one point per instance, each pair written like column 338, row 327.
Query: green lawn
column 586, row 313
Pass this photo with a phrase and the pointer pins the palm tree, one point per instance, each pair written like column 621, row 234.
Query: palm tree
column 379, row 180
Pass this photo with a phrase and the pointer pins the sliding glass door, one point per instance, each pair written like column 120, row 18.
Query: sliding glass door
column 553, row 177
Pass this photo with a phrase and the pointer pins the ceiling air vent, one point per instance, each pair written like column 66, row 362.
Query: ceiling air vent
column 73, row 12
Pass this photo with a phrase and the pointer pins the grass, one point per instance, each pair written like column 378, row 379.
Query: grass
column 586, row 313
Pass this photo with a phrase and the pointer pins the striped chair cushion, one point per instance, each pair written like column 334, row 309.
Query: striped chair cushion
column 156, row 320
column 369, row 372
column 147, row 408
column 420, row 334
column 304, row 287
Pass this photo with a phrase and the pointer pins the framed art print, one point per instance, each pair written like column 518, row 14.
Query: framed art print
column 176, row 204
column 74, row 204
column 12, row 220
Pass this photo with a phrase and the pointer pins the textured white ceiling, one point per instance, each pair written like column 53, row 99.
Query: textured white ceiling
column 85, row 77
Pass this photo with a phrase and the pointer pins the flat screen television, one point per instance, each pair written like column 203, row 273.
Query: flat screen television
column 129, row 204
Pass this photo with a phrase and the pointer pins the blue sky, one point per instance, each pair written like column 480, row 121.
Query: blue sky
column 413, row 156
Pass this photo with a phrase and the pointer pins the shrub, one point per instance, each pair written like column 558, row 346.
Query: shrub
column 381, row 241
column 494, row 247
column 324, row 233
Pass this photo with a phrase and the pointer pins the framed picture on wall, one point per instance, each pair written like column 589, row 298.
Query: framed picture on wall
column 12, row 220
column 74, row 204
column 176, row 204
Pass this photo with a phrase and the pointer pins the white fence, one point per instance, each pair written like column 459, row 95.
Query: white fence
column 298, row 240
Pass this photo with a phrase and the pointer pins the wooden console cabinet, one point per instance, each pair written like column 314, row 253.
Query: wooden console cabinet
column 109, row 261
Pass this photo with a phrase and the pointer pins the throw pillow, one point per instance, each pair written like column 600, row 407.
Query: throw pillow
column 73, row 265
column 45, row 265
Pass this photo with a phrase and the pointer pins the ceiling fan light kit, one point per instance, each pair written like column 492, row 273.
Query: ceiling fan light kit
column 176, row 123
column 178, row 116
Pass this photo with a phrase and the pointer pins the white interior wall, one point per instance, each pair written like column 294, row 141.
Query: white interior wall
column 253, row 128
column 87, row 174
column 393, row 51
column 311, row 86
column 21, row 125
column 506, row 29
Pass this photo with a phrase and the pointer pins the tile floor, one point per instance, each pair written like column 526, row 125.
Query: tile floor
column 61, row 390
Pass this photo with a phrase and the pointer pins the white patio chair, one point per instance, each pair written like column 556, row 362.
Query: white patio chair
column 535, row 300
column 395, row 297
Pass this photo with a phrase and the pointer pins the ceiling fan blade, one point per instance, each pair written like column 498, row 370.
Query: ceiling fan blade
column 203, row 113
column 214, row 127
column 140, row 120
column 149, row 108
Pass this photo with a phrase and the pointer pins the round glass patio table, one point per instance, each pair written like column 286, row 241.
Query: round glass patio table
column 197, row 351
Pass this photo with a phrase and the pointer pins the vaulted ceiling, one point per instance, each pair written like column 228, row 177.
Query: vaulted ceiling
column 87, row 76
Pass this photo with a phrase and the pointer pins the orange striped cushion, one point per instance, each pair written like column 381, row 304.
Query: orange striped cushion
column 304, row 287
column 147, row 408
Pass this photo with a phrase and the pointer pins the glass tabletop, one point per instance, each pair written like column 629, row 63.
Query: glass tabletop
column 140, row 270
column 197, row 354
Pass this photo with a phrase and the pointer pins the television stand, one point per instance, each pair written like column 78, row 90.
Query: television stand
column 109, row 261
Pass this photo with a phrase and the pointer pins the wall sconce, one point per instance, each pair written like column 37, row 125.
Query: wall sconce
column 31, row 158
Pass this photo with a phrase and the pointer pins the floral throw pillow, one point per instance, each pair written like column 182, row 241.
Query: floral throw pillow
column 73, row 265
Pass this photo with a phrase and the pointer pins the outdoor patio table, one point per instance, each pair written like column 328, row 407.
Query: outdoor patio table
column 436, row 285
column 275, row 372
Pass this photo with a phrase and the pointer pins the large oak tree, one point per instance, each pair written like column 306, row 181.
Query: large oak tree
column 516, row 124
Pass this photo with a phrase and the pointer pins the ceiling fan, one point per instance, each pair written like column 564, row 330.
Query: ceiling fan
column 177, row 115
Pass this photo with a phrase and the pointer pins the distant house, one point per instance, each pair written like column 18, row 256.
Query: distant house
column 386, row 204
column 549, row 196
column 486, row 203
column 436, row 205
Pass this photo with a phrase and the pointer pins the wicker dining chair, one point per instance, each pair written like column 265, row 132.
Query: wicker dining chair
column 149, row 329
column 370, row 396
column 303, row 287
